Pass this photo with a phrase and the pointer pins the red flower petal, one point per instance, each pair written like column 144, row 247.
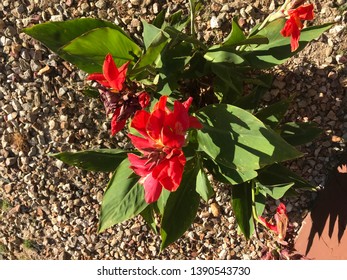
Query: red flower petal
column 140, row 121
column 144, row 99
column 138, row 164
column 142, row 144
column 115, row 76
column 291, row 29
column 268, row 225
column 194, row 123
column 100, row 78
column 117, row 125
column 304, row 12
column 152, row 187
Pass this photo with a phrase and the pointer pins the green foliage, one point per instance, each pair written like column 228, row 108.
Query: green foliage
column 299, row 133
column 277, row 51
column 105, row 160
column 241, row 143
column 123, row 198
column 229, row 134
column 79, row 42
column 242, row 206
column 181, row 208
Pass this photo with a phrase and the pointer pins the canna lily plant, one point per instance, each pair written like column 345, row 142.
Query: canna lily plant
column 190, row 110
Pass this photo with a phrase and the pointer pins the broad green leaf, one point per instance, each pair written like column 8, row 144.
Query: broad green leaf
column 64, row 38
column 236, row 35
column 242, row 207
column 235, row 138
column 203, row 186
column 274, row 113
column 89, row 50
column 275, row 191
column 105, row 160
column 148, row 215
column 124, row 197
column 229, row 175
column 152, row 35
column 299, row 133
column 278, row 50
column 55, row 35
column 181, row 208
column 278, row 174
column 218, row 56
column 161, row 202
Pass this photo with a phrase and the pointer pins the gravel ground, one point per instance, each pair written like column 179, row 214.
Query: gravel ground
column 50, row 210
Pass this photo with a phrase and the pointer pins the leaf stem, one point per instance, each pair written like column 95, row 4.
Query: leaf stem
column 192, row 18
column 254, row 210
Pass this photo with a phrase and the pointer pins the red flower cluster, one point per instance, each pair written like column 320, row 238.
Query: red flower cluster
column 117, row 97
column 294, row 25
column 281, row 220
column 164, row 135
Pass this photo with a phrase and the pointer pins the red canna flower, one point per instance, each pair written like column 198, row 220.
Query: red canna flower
column 164, row 135
column 112, row 77
column 294, row 25
column 281, row 219
column 123, row 105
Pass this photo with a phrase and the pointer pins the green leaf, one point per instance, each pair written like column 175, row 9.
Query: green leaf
column 78, row 41
column 242, row 206
column 236, row 35
column 278, row 174
column 89, row 50
column 124, row 198
column 161, row 202
column 177, row 21
column 229, row 175
column 148, row 215
column 180, row 209
column 218, row 55
column 275, row 191
column 57, row 34
column 203, row 186
column 160, row 19
column 105, row 160
column 235, row 138
column 152, row 35
column 155, row 41
column 299, row 133
column 274, row 113
column 173, row 61
column 278, row 50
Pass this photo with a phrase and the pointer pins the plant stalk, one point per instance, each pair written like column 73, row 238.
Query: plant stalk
column 192, row 18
